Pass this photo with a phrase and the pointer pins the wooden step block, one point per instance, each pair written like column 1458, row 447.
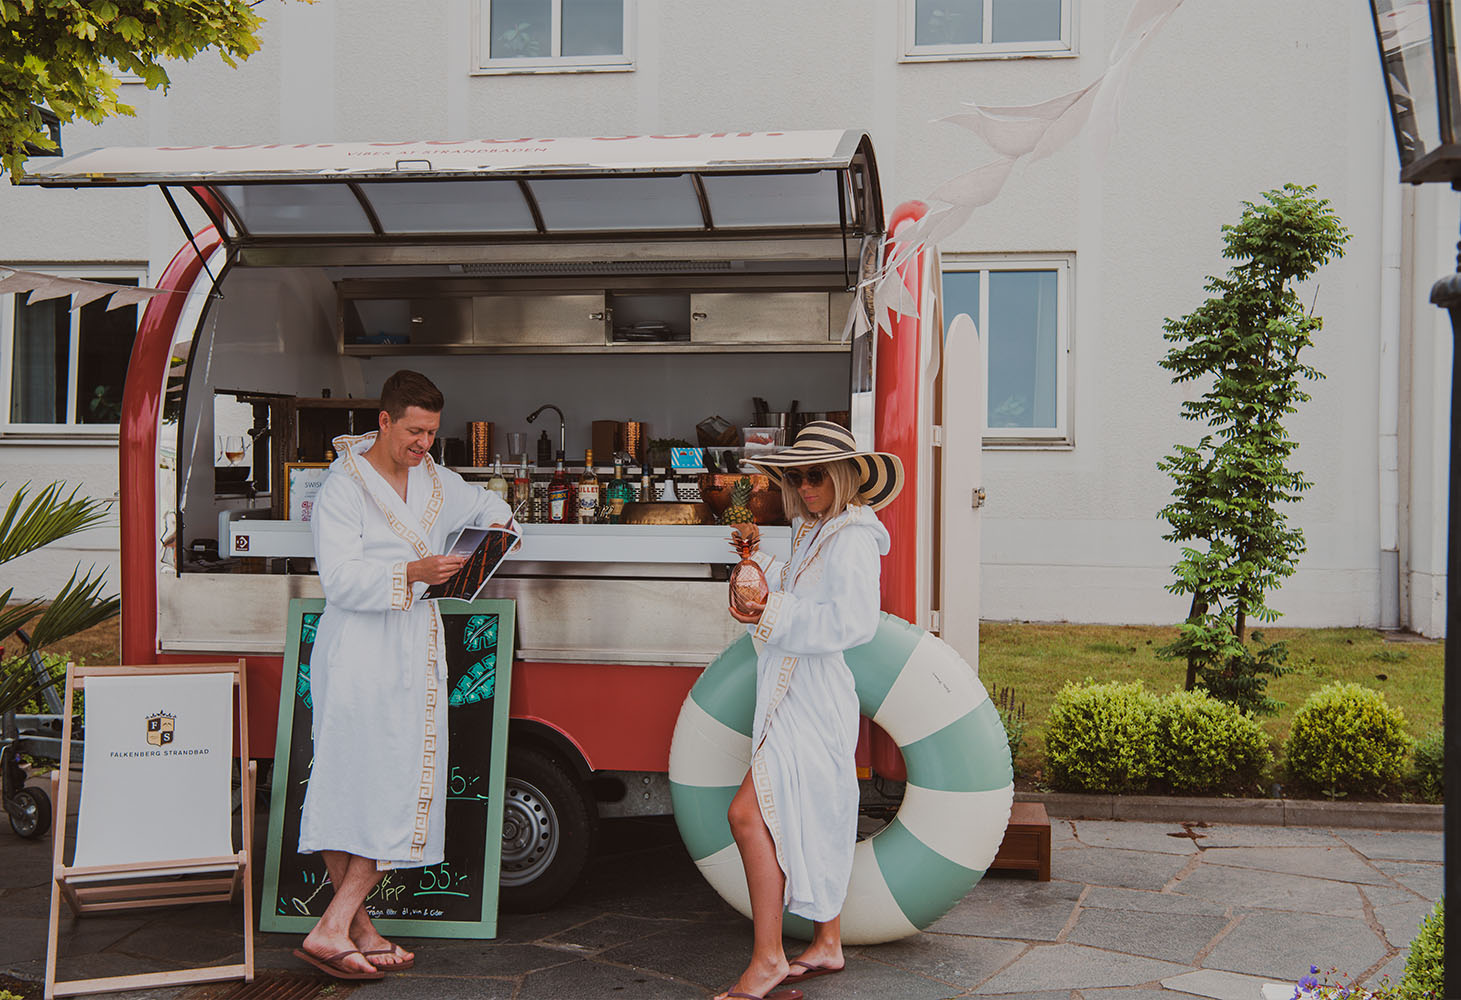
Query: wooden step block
column 1026, row 844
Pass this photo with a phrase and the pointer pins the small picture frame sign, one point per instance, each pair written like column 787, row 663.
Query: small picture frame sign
column 302, row 481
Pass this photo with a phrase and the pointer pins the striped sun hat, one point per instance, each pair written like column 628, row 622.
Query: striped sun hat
column 822, row 441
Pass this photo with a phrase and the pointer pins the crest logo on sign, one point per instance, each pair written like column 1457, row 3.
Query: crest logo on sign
column 160, row 729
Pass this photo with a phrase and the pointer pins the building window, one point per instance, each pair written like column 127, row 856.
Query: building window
column 553, row 36
column 64, row 368
column 1021, row 308
column 975, row 29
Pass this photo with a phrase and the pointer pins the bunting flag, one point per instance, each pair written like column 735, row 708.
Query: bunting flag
column 1032, row 131
column 81, row 292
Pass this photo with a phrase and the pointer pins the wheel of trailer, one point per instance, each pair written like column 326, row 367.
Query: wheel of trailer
column 955, row 807
column 33, row 816
column 549, row 826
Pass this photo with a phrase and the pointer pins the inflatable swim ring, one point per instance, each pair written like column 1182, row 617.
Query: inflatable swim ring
column 955, row 808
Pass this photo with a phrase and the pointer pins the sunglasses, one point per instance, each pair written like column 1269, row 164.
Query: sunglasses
column 815, row 476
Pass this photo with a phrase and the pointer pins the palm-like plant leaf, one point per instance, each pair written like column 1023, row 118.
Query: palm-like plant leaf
column 19, row 683
column 48, row 517
column 76, row 608
column 13, row 618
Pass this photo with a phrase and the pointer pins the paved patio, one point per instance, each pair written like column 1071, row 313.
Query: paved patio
column 1135, row 911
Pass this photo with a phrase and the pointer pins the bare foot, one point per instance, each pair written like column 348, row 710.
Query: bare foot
column 381, row 953
column 760, row 978
column 818, row 956
column 322, row 945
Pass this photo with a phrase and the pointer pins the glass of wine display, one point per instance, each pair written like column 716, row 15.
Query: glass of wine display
column 233, row 448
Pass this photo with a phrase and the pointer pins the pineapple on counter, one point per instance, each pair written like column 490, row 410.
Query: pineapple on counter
column 738, row 512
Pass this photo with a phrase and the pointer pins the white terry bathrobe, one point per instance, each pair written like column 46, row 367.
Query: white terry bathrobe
column 823, row 601
column 377, row 786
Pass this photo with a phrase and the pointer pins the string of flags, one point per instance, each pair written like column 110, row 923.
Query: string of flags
column 81, row 292
column 1031, row 132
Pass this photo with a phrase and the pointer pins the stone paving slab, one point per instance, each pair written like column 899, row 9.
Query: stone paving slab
column 1250, row 888
column 1224, row 835
column 1401, row 921
column 1073, row 966
column 409, row 986
column 1172, row 903
column 1153, row 935
column 1425, row 880
column 1147, row 837
column 1216, row 985
column 1396, row 845
column 963, row 962
column 1109, row 866
column 1337, row 863
column 1005, row 908
column 1284, row 945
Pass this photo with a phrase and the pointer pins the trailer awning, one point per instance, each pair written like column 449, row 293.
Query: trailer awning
column 486, row 191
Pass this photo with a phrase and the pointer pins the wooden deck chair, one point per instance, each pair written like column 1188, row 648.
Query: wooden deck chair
column 155, row 823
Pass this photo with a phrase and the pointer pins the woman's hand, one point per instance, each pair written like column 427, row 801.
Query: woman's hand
column 433, row 569
column 750, row 616
column 747, row 535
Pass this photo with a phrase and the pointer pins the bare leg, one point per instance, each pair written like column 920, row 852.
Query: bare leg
column 767, row 883
column 356, row 877
column 362, row 931
column 825, row 951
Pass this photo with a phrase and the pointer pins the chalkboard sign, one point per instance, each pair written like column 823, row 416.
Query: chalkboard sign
column 457, row 898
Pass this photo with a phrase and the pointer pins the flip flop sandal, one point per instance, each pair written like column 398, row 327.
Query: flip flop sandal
column 773, row 995
column 409, row 963
column 813, row 971
column 331, row 965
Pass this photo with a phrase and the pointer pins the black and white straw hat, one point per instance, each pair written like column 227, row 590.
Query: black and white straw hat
column 822, row 441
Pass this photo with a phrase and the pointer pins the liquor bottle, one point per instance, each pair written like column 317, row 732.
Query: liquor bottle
column 646, row 488
column 558, row 493
column 545, row 449
column 522, row 493
column 497, row 484
column 619, row 492
column 588, row 491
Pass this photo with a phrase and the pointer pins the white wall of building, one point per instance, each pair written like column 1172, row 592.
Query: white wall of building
column 1229, row 100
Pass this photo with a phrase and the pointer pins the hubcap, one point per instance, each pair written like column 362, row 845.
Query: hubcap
column 529, row 834
column 26, row 823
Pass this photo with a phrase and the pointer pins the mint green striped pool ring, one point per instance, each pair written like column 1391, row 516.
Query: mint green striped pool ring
column 955, row 806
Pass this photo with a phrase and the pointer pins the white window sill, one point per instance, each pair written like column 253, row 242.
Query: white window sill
column 937, row 57
column 101, row 434
column 506, row 70
column 1028, row 444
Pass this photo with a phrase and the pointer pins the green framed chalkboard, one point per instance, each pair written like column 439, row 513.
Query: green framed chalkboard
column 457, row 898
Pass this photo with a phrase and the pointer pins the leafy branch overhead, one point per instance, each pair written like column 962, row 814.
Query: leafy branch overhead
column 1230, row 489
column 65, row 55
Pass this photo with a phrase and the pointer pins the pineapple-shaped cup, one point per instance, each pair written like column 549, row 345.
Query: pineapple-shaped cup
column 747, row 582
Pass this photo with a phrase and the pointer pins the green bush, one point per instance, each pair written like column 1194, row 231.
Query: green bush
column 1427, row 772
column 1206, row 745
column 1347, row 738
column 1424, row 973
column 1101, row 737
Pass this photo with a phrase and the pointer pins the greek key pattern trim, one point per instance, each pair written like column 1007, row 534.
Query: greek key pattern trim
column 427, row 791
column 769, row 615
column 401, row 596
column 761, row 782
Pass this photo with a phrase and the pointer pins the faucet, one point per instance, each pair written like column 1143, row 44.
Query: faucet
column 562, row 427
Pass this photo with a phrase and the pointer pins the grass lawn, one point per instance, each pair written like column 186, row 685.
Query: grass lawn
column 1037, row 660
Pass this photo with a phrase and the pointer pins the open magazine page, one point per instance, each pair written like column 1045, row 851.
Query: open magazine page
column 484, row 549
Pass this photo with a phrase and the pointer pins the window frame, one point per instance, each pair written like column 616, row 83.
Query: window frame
column 909, row 51
column 72, row 428
column 484, row 65
column 1061, row 437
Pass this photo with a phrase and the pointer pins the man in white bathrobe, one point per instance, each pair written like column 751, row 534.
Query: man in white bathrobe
column 377, row 792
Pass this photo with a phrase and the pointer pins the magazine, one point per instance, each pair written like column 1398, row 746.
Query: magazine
column 484, row 549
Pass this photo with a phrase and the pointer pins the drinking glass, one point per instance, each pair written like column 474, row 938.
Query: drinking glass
column 517, row 445
column 233, row 448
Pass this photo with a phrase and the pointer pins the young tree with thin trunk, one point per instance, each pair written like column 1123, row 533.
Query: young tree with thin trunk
column 1230, row 490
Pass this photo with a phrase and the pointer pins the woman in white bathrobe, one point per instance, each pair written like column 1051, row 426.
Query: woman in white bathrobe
column 794, row 817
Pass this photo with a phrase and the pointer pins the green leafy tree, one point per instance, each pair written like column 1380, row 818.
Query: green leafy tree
column 65, row 54
column 1243, row 346
column 26, row 526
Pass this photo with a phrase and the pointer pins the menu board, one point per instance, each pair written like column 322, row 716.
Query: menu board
column 458, row 897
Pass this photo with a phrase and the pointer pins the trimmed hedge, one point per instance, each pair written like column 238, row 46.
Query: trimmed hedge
column 1206, row 745
column 1101, row 737
column 1347, row 738
column 1427, row 768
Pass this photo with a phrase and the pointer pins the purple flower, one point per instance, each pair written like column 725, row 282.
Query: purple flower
column 1313, row 970
column 1308, row 983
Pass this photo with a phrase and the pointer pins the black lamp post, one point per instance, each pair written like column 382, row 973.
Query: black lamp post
column 1417, row 40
